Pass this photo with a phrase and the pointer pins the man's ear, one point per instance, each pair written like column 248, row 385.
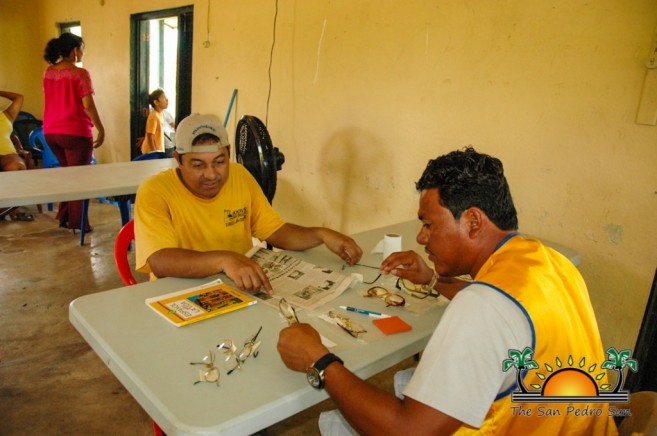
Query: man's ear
column 178, row 157
column 475, row 219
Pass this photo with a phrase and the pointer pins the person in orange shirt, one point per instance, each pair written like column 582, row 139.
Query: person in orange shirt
column 154, row 139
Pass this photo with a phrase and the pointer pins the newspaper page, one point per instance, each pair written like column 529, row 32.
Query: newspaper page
column 301, row 283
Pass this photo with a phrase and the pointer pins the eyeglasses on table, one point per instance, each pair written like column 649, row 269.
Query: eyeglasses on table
column 388, row 297
column 347, row 324
column 211, row 373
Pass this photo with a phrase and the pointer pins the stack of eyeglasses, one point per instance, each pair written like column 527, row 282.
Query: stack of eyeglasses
column 419, row 291
column 250, row 348
column 387, row 296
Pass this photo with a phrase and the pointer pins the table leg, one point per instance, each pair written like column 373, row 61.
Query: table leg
column 124, row 209
column 83, row 220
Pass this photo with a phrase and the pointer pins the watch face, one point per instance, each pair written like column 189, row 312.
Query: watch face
column 314, row 378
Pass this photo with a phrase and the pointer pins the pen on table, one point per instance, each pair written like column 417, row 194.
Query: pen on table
column 365, row 312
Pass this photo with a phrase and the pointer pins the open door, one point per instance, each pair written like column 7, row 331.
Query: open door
column 161, row 57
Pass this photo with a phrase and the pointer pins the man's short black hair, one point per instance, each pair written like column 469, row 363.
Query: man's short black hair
column 466, row 178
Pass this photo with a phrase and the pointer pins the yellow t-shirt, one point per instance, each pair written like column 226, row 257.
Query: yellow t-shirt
column 168, row 215
column 6, row 146
column 154, row 127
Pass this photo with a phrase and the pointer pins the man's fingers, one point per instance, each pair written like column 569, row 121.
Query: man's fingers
column 265, row 282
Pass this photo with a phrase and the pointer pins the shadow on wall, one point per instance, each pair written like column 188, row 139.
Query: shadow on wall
column 356, row 174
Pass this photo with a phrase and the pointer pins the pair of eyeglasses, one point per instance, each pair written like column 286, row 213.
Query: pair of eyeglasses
column 387, row 296
column 347, row 324
column 250, row 348
column 419, row 291
column 211, row 373
column 287, row 311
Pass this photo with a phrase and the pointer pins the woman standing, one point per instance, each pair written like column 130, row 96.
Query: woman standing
column 69, row 114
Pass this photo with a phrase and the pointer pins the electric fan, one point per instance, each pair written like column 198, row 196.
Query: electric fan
column 255, row 151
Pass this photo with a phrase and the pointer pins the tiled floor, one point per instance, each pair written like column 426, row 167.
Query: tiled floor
column 51, row 382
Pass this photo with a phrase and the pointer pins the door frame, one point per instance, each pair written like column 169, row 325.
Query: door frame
column 139, row 69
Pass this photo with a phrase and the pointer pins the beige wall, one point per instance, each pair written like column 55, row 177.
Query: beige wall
column 365, row 92
column 20, row 69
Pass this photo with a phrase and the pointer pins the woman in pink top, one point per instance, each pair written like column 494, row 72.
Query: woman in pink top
column 69, row 114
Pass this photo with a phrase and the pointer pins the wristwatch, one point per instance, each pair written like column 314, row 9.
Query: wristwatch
column 315, row 373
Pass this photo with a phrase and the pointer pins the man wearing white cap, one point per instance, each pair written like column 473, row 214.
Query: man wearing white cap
column 199, row 219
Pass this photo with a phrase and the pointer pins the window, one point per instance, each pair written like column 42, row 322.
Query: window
column 71, row 27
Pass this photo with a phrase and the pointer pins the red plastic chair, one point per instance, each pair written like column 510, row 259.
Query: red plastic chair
column 121, row 247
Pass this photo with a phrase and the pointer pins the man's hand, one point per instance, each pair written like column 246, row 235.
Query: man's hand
column 342, row 245
column 294, row 237
column 407, row 265
column 180, row 262
column 300, row 346
column 245, row 272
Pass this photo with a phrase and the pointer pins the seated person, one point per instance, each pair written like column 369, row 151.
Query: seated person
column 198, row 219
column 524, row 294
column 9, row 158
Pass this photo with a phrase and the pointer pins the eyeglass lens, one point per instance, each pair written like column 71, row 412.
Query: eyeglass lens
column 287, row 311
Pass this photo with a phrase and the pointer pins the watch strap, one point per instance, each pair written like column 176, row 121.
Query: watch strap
column 325, row 361
column 317, row 369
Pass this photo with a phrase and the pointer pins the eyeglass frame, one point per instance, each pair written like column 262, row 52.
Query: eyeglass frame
column 420, row 291
column 387, row 297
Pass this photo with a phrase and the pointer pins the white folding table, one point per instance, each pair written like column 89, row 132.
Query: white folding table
column 49, row 185
column 151, row 357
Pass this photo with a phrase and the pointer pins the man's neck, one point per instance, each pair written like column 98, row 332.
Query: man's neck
column 487, row 246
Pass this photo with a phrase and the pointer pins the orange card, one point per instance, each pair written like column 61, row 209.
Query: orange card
column 391, row 325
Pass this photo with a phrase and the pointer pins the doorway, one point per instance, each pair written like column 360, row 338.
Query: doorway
column 160, row 57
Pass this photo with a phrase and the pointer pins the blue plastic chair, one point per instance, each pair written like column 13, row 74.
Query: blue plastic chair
column 151, row 155
column 38, row 142
column 22, row 115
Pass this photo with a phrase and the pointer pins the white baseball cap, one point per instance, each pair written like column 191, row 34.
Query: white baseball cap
column 195, row 125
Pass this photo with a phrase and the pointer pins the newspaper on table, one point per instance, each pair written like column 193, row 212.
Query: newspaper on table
column 302, row 284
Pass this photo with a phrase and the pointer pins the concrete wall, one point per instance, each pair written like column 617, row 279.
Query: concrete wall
column 20, row 69
column 365, row 92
